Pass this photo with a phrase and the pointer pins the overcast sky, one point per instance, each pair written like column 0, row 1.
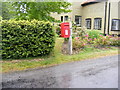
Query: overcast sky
column 86, row 0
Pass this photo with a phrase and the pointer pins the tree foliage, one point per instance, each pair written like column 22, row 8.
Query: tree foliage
column 40, row 10
column 7, row 10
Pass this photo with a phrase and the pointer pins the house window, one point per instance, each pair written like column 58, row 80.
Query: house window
column 62, row 18
column 88, row 23
column 66, row 18
column 115, row 24
column 97, row 23
column 78, row 20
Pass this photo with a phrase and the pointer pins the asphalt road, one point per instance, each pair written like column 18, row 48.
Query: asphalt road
column 94, row 73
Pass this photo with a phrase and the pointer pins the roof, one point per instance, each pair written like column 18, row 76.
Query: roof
column 87, row 2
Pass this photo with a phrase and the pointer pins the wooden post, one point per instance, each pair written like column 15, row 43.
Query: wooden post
column 70, row 39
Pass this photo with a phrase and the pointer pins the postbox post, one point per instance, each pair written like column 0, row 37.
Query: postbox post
column 70, row 39
column 66, row 32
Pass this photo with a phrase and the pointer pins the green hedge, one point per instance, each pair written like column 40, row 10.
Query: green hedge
column 21, row 39
column 94, row 34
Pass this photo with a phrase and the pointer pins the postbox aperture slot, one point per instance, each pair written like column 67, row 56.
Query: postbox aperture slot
column 66, row 25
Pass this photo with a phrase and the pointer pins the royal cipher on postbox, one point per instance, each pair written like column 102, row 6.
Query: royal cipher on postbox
column 65, row 29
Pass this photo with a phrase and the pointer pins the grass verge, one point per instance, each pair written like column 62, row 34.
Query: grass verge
column 56, row 58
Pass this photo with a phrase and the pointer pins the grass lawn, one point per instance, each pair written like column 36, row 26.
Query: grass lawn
column 55, row 58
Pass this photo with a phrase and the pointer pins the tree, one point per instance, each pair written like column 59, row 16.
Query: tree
column 40, row 10
column 7, row 10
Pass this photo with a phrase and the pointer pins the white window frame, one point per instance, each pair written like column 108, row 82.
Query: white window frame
column 61, row 18
column 65, row 19
column 98, row 23
column 88, row 23
column 79, row 18
column 115, row 25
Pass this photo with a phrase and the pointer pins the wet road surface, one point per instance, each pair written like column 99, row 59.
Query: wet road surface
column 96, row 73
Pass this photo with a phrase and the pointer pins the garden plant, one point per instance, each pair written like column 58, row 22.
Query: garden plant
column 93, row 38
column 22, row 39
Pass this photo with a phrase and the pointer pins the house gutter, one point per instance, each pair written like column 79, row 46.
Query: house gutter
column 109, row 17
column 85, row 4
column 105, row 17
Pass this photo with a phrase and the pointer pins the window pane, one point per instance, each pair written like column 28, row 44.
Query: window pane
column 97, row 23
column 119, row 25
column 88, row 23
column 66, row 18
column 115, row 24
column 78, row 20
column 62, row 18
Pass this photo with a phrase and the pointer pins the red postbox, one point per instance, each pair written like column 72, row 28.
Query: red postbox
column 65, row 29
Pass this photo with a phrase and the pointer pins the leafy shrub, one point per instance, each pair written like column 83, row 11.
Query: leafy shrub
column 94, row 34
column 80, row 32
column 102, row 40
column 115, row 41
column 0, row 18
column 57, row 28
column 78, row 43
column 22, row 39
